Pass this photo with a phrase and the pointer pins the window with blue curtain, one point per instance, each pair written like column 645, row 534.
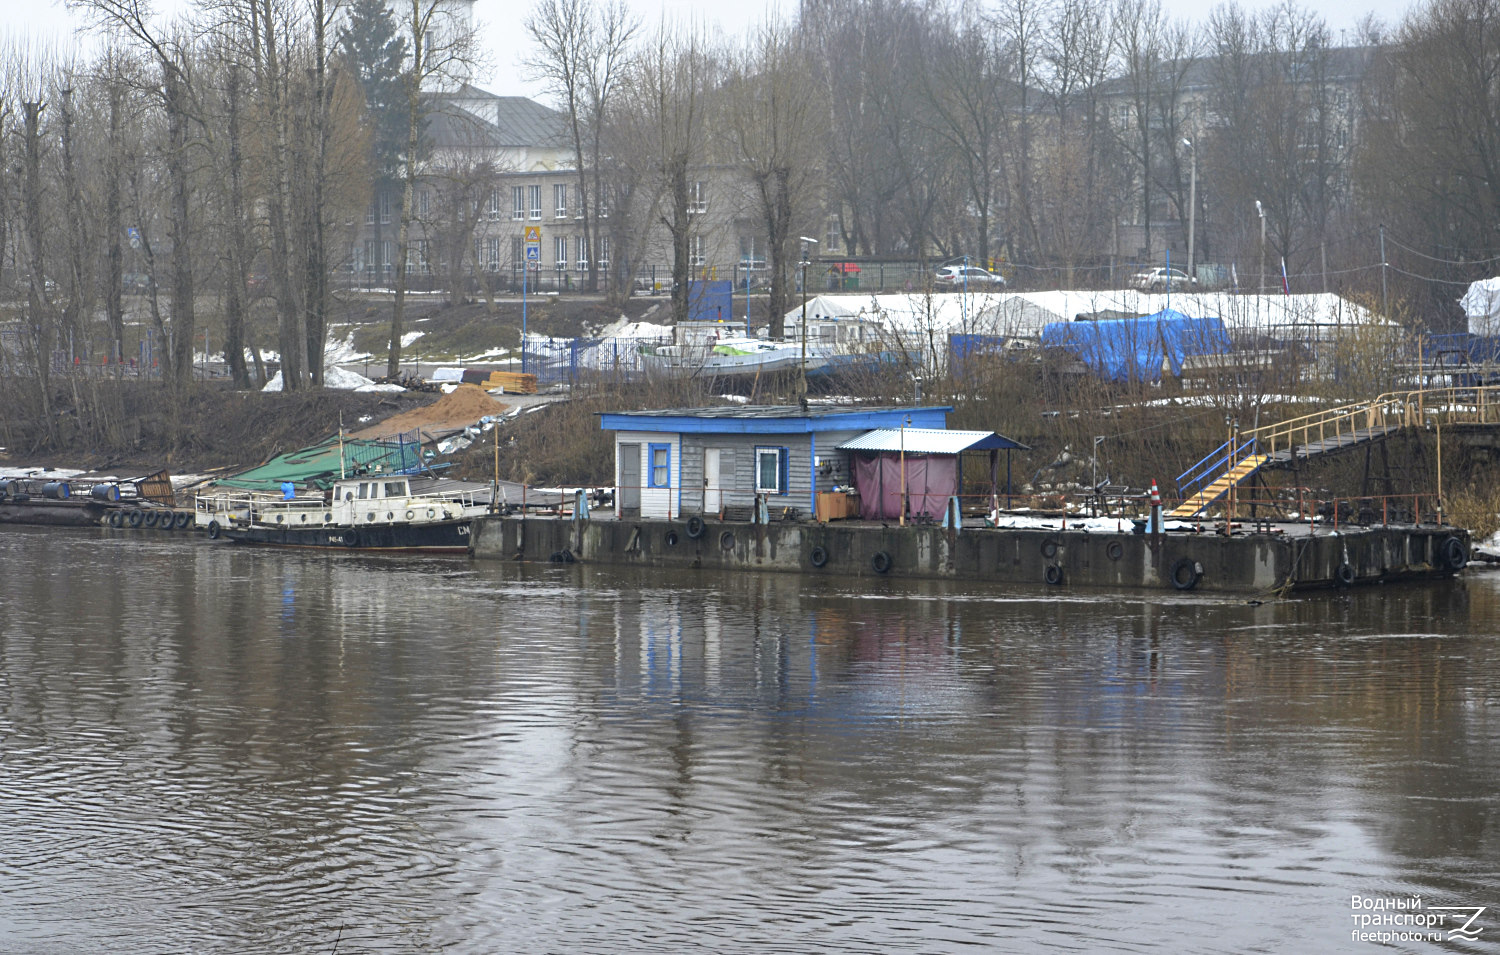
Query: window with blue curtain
column 660, row 471
column 773, row 472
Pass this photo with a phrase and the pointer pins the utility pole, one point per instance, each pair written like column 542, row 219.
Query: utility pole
column 1192, row 210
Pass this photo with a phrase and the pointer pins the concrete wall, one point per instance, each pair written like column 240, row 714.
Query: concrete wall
column 1250, row 563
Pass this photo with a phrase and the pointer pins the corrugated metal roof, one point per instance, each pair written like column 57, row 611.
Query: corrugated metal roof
column 929, row 441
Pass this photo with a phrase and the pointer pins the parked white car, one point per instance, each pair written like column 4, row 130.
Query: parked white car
column 972, row 277
column 1161, row 280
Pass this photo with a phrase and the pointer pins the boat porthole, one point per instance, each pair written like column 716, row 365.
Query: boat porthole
column 726, row 540
column 302, row 518
column 410, row 514
column 390, row 515
column 430, row 514
column 1114, row 550
column 1049, row 549
column 280, row 518
column 328, row 518
column 1054, row 574
column 671, row 538
column 370, row 516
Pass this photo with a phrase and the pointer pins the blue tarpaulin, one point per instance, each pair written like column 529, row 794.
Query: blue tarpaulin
column 1135, row 349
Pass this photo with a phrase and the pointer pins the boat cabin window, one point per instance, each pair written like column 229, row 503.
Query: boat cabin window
column 395, row 488
column 364, row 491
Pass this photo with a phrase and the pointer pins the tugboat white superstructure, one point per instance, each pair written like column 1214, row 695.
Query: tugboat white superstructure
column 379, row 512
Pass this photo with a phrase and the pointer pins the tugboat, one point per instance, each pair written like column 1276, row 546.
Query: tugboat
column 371, row 512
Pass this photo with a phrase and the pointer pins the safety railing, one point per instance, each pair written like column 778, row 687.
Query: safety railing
column 1219, row 462
column 1404, row 408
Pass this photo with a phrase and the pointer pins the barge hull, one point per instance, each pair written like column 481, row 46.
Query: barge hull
column 1279, row 558
column 436, row 537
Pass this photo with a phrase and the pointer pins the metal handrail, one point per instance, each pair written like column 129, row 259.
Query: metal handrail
column 1409, row 406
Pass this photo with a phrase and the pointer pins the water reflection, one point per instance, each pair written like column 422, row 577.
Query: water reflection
column 209, row 748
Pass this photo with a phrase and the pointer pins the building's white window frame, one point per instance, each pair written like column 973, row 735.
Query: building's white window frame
column 779, row 459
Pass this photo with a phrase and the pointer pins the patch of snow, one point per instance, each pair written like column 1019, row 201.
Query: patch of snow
column 340, row 379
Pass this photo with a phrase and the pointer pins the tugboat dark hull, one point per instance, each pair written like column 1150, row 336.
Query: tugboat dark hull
column 431, row 537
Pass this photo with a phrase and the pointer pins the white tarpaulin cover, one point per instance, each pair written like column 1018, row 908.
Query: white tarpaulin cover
column 1482, row 304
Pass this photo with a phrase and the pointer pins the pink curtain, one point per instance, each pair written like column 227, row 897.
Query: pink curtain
column 930, row 481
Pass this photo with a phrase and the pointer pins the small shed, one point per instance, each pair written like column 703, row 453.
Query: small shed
column 916, row 470
column 698, row 461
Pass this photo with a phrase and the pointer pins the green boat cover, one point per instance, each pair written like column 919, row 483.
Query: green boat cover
column 321, row 464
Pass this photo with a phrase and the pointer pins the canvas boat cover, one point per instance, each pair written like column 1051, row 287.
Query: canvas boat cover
column 321, row 464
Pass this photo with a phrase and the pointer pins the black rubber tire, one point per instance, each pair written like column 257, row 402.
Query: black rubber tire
column 818, row 557
column 1053, row 574
column 1186, row 573
column 214, row 530
column 1454, row 554
column 1345, row 575
column 116, row 518
column 695, row 527
column 881, row 562
column 134, row 518
column 1114, row 550
column 183, row 519
column 150, row 519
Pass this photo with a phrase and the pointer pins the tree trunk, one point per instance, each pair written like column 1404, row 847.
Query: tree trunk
column 37, row 307
column 237, row 257
column 179, row 351
column 114, row 305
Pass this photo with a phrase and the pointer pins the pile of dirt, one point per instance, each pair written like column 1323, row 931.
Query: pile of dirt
column 460, row 408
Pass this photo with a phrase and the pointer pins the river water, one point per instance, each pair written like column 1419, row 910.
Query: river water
column 207, row 748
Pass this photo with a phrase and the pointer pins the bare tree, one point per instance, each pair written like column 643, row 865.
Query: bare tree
column 582, row 63
column 775, row 119
column 671, row 80
column 438, row 51
column 171, row 53
column 1155, row 55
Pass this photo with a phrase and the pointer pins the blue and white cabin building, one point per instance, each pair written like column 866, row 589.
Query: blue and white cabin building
column 698, row 461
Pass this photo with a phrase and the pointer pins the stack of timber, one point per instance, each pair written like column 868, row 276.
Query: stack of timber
column 509, row 382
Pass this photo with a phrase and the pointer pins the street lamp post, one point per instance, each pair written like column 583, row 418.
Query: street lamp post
column 904, row 424
column 805, row 242
column 1192, row 208
column 1260, row 210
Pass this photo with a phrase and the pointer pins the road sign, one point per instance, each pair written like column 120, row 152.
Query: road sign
column 533, row 253
column 533, row 235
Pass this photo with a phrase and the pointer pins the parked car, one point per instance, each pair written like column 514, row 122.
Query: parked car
column 967, row 276
column 1161, row 280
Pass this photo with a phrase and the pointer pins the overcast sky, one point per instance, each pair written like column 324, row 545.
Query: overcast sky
column 500, row 20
